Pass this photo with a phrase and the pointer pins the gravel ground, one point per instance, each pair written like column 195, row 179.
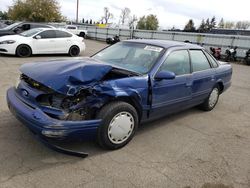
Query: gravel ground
column 190, row 149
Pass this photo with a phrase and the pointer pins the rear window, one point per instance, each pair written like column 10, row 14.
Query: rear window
column 199, row 60
column 212, row 60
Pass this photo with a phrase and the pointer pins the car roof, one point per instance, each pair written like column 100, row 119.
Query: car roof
column 165, row 43
column 36, row 23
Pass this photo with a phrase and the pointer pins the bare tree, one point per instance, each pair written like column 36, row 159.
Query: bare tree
column 229, row 25
column 107, row 15
column 242, row 25
column 124, row 15
column 221, row 23
column 132, row 22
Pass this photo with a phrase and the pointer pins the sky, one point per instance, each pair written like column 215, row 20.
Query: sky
column 169, row 12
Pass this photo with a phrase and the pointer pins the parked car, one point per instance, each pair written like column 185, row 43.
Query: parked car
column 42, row 41
column 106, row 96
column 2, row 25
column 20, row 27
column 79, row 32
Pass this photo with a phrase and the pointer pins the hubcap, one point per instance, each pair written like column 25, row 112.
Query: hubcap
column 74, row 51
column 24, row 51
column 120, row 127
column 213, row 97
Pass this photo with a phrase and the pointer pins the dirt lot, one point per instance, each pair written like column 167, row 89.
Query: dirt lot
column 191, row 149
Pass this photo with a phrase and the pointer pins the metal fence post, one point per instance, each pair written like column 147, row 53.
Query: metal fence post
column 95, row 33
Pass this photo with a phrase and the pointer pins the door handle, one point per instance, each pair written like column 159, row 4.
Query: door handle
column 189, row 84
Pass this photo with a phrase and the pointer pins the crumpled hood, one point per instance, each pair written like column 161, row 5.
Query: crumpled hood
column 65, row 76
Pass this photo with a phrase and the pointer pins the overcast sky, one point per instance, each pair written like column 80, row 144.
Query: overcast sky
column 169, row 12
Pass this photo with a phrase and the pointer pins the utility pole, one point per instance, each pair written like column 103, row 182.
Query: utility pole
column 77, row 8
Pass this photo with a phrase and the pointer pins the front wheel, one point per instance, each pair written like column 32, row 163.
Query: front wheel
column 23, row 51
column 212, row 100
column 119, row 123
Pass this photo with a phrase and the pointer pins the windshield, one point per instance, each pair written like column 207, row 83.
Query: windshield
column 30, row 32
column 136, row 57
column 12, row 26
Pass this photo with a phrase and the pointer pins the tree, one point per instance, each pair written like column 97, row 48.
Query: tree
column 36, row 10
column 202, row 27
column 221, row 23
column 212, row 23
column 83, row 21
column 242, row 25
column 90, row 22
column 141, row 23
column 229, row 25
column 107, row 15
column 189, row 27
column 3, row 15
column 132, row 21
column 152, row 22
column 207, row 24
column 124, row 15
column 148, row 23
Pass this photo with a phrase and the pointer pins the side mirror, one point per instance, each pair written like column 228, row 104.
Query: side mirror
column 165, row 75
column 37, row 37
column 17, row 30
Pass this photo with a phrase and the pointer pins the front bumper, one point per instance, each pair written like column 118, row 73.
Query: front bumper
column 46, row 127
column 8, row 49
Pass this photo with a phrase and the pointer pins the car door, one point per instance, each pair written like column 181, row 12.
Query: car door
column 63, row 41
column 169, row 96
column 45, row 43
column 203, row 76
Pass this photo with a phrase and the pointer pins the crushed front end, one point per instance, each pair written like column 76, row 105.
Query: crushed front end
column 51, row 114
column 63, row 102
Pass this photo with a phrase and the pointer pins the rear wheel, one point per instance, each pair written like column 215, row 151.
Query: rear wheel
column 119, row 123
column 212, row 99
column 74, row 51
column 23, row 51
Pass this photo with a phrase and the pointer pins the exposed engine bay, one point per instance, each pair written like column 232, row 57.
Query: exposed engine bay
column 83, row 104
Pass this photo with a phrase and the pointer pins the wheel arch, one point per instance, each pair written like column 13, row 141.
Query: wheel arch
column 131, row 101
column 220, row 85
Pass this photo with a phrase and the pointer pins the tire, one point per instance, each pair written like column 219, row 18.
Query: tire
column 111, row 133
column 74, row 51
column 211, row 100
column 23, row 50
column 82, row 34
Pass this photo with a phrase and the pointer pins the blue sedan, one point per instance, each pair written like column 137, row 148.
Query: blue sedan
column 105, row 97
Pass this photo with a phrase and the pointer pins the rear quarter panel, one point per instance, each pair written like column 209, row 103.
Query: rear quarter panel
column 224, row 75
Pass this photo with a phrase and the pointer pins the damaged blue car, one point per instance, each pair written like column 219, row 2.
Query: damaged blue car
column 105, row 97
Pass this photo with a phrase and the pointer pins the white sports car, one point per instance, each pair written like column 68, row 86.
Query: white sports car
column 42, row 41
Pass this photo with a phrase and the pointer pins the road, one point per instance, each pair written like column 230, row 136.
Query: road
column 191, row 149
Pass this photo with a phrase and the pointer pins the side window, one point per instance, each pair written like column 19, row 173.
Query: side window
column 199, row 60
column 211, row 59
column 71, row 27
column 177, row 62
column 25, row 27
column 39, row 26
column 48, row 34
column 62, row 34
